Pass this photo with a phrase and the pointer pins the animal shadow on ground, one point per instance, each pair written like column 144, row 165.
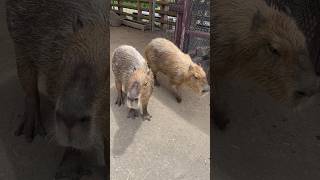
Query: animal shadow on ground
column 124, row 136
column 193, row 108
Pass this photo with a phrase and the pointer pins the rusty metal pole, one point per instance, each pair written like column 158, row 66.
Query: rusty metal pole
column 178, row 8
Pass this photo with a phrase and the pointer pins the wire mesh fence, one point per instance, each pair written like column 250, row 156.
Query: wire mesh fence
column 307, row 15
column 190, row 29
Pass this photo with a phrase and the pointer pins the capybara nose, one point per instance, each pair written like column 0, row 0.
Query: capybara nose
column 133, row 99
column 206, row 89
column 69, row 123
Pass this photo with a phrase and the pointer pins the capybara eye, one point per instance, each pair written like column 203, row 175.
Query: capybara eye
column 145, row 84
column 273, row 50
column 195, row 77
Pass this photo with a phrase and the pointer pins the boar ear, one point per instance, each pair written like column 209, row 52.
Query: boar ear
column 77, row 24
column 257, row 21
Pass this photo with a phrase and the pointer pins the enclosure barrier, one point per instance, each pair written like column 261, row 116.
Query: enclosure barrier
column 151, row 12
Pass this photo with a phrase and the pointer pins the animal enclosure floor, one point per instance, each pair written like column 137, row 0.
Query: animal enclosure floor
column 174, row 144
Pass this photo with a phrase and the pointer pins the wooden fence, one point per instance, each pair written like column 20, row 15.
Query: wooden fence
column 151, row 12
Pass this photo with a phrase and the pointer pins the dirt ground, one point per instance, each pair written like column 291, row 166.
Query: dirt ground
column 174, row 144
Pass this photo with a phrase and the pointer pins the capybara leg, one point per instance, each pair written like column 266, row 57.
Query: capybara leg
column 133, row 113
column 220, row 120
column 176, row 92
column 145, row 113
column 72, row 166
column 156, row 82
column 31, row 124
column 120, row 97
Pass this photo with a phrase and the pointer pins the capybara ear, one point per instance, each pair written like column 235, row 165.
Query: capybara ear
column 148, row 71
column 287, row 10
column 257, row 21
column 77, row 24
column 190, row 67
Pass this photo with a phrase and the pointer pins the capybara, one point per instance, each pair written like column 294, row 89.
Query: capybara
column 254, row 41
column 133, row 74
column 165, row 57
column 67, row 42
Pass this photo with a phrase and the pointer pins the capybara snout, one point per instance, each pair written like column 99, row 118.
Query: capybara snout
column 133, row 95
column 198, row 80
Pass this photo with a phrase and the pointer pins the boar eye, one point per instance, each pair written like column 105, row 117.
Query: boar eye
column 273, row 50
column 195, row 77
column 145, row 84
column 85, row 119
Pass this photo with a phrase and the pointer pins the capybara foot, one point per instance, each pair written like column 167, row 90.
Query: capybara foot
column 178, row 98
column 72, row 166
column 156, row 83
column 221, row 121
column 120, row 100
column 133, row 113
column 31, row 124
column 147, row 117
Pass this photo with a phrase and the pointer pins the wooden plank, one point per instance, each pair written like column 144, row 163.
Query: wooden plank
column 136, row 25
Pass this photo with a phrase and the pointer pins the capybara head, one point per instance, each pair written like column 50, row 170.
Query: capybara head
column 82, row 80
column 262, row 44
column 197, row 79
column 139, row 85
column 277, row 57
column 75, row 111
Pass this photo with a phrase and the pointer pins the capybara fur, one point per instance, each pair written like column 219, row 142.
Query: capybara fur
column 165, row 57
column 67, row 42
column 256, row 42
column 133, row 74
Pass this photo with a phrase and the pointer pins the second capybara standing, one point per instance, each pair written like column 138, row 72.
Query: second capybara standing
column 165, row 57
column 133, row 74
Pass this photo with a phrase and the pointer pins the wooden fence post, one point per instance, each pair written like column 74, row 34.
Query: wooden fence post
column 139, row 9
column 119, row 7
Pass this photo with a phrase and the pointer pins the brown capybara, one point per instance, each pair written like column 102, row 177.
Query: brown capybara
column 132, row 72
column 256, row 42
column 165, row 57
column 67, row 43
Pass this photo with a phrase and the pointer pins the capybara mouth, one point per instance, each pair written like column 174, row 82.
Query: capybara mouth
column 205, row 91
column 134, row 104
column 301, row 94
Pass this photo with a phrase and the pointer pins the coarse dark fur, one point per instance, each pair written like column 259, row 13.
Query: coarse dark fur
column 66, row 42
column 257, row 42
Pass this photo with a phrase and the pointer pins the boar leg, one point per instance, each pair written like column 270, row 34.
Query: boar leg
column 145, row 113
column 73, row 166
column 176, row 91
column 156, row 82
column 31, row 124
column 220, row 120
column 120, row 98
